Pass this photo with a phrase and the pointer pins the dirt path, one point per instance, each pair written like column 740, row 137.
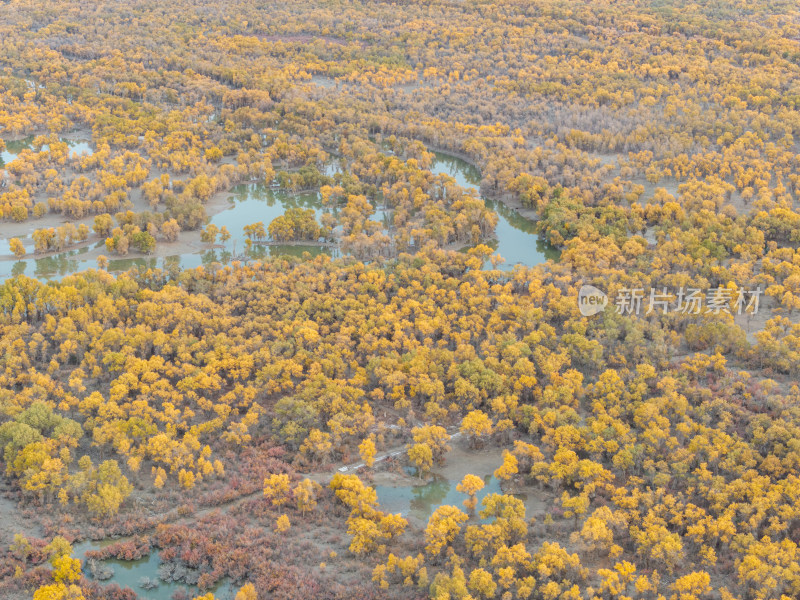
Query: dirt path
column 321, row 477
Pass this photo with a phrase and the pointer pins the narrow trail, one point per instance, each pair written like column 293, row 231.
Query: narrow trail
column 321, row 477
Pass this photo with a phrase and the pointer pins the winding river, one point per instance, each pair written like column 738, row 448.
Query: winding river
column 517, row 241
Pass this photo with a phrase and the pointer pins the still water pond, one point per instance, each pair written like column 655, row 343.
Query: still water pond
column 420, row 501
column 254, row 202
column 13, row 148
column 132, row 573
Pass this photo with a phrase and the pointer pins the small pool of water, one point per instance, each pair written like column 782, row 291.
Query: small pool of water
column 420, row 501
column 58, row 266
column 129, row 573
column 13, row 148
column 79, row 147
column 249, row 203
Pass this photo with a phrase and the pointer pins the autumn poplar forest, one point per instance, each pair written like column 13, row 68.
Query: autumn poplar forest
column 352, row 299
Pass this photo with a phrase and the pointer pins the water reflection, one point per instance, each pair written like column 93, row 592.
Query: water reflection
column 465, row 174
column 15, row 147
column 254, row 202
column 517, row 240
column 420, row 501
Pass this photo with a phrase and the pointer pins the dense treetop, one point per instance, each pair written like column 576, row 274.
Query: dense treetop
column 653, row 143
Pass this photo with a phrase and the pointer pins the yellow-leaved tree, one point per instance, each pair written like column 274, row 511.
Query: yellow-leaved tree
column 443, row 527
column 66, row 573
column 470, row 485
column 276, row 488
column 367, row 451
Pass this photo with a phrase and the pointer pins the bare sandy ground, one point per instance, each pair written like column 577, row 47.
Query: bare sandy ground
column 188, row 241
column 13, row 521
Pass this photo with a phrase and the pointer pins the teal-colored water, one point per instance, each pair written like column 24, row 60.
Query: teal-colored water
column 129, row 573
column 250, row 203
column 13, row 148
column 57, row 266
column 517, row 240
column 78, row 148
column 254, row 202
column 420, row 501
